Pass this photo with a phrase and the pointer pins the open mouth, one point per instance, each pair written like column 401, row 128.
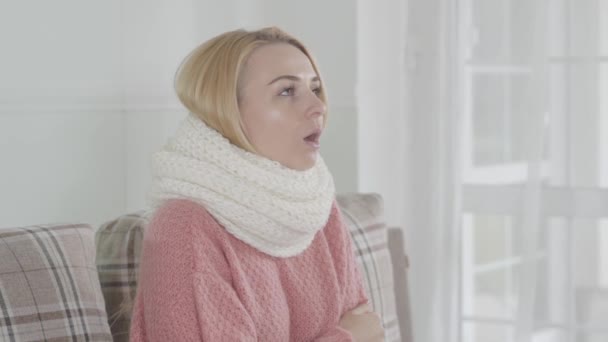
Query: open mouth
column 313, row 139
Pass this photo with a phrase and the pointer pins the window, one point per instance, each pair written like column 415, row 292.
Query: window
column 534, row 232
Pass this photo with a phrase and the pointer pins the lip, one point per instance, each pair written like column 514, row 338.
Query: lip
column 315, row 142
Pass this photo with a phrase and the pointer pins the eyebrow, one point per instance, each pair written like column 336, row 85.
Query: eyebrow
column 293, row 78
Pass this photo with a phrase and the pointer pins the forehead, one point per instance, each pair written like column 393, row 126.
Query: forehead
column 272, row 60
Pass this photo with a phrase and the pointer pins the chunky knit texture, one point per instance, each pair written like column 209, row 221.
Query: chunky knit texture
column 270, row 207
column 197, row 282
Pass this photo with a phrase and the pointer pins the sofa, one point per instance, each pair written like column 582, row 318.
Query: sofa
column 74, row 282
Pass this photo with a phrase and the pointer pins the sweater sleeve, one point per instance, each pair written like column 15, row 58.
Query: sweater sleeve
column 352, row 288
column 184, row 298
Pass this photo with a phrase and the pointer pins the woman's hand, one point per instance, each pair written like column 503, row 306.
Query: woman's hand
column 363, row 324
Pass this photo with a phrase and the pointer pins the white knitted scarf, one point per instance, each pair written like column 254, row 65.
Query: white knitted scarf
column 273, row 208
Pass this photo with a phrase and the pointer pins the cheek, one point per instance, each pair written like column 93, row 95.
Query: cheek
column 268, row 127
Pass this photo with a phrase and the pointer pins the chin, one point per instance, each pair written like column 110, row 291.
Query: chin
column 308, row 164
column 299, row 161
column 302, row 165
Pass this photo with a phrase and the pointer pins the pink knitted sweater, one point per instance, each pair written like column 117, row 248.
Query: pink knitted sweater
column 197, row 282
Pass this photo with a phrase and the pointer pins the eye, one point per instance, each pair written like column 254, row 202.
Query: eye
column 317, row 91
column 288, row 91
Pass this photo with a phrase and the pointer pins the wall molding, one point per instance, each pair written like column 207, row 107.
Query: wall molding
column 58, row 103
column 106, row 102
column 52, row 108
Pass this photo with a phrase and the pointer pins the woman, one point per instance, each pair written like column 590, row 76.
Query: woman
column 246, row 242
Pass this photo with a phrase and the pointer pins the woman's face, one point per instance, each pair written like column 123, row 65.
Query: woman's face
column 280, row 105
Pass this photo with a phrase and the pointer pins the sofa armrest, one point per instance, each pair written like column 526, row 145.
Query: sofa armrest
column 400, row 265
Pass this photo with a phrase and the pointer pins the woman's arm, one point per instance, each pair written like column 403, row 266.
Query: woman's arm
column 183, row 298
column 358, row 322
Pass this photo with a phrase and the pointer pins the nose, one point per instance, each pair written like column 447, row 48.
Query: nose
column 316, row 107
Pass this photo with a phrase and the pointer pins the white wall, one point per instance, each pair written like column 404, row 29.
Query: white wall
column 61, row 137
column 382, row 133
column 86, row 95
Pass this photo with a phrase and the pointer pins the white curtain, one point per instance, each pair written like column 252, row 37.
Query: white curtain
column 508, row 128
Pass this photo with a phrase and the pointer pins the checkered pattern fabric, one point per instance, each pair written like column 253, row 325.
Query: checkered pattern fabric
column 49, row 289
column 364, row 216
column 118, row 250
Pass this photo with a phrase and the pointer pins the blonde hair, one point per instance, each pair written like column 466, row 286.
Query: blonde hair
column 207, row 81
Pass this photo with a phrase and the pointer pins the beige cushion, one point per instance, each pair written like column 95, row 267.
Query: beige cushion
column 365, row 218
column 49, row 290
column 118, row 250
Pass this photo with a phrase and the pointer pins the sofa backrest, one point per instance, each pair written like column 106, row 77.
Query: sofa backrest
column 119, row 245
column 364, row 216
column 49, row 290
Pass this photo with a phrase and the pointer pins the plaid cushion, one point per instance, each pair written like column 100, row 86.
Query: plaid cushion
column 363, row 214
column 118, row 250
column 49, row 290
